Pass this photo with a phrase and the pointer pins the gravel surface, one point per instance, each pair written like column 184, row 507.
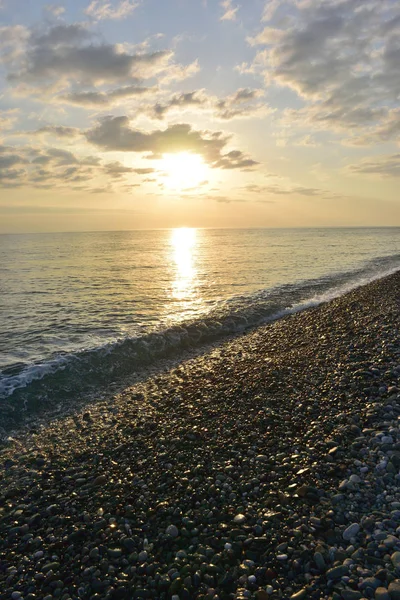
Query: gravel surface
column 267, row 468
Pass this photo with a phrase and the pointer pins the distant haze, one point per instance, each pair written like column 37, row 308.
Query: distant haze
column 138, row 114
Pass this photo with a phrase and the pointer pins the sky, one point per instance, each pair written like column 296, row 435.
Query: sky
column 131, row 114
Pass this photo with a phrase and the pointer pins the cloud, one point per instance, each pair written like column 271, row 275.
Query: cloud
column 13, row 40
column 115, row 134
column 177, row 72
column 235, row 160
column 69, row 64
column 101, row 9
column 307, row 141
column 59, row 36
column 183, row 100
column 57, row 168
column 238, row 105
column 68, row 61
column 268, row 36
column 10, row 160
column 383, row 166
column 270, row 8
column 386, row 130
column 55, row 9
column 241, row 105
column 116, row 169
column 341, row 57
column 144, row 171
column 229, row 10
column 279, row 189
column 95, row 98
column 8, row 118
column 57, row 131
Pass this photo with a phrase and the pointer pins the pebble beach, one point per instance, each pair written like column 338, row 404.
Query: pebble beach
column 266, row 468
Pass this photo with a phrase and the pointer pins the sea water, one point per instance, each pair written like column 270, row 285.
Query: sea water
column 81, row 311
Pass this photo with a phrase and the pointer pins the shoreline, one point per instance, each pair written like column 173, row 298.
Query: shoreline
column 47, row 410
column 238, row 471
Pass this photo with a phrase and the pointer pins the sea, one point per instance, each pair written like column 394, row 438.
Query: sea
column 81, row 313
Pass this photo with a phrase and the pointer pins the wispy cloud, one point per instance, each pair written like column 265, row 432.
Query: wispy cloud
column 230, row 10
column 101, row 9
column 99, row 99
column 55, row 9
column 242, row 104
column 381, row 166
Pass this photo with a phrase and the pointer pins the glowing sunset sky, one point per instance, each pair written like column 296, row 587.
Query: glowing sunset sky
column 124, row 114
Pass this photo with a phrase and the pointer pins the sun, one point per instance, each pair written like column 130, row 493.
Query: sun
column 183, row 171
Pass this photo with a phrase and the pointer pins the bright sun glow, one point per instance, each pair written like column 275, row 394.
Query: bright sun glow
column 183, row 171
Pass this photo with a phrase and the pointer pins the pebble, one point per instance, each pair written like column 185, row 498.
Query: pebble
column 394, row 590
column 299, row 595
column 381, row 593
column 337, row 572
column 351, row 531
column 172, row 531
column 349, row 594
column 319, row 561
column 219, row 448
column 395, row 558
column 239, row 519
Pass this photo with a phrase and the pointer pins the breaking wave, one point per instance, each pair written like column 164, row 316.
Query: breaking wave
column 28, row 390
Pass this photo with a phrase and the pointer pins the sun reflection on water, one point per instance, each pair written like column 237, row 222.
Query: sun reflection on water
column 183, row 242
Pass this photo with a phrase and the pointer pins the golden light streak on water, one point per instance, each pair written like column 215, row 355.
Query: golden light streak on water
column 183, row 243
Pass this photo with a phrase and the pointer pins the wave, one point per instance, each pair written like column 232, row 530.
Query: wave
column 28, row 390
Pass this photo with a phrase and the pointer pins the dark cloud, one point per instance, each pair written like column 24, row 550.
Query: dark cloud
column 95, row 64
column 115, row 133
column 60, row 35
